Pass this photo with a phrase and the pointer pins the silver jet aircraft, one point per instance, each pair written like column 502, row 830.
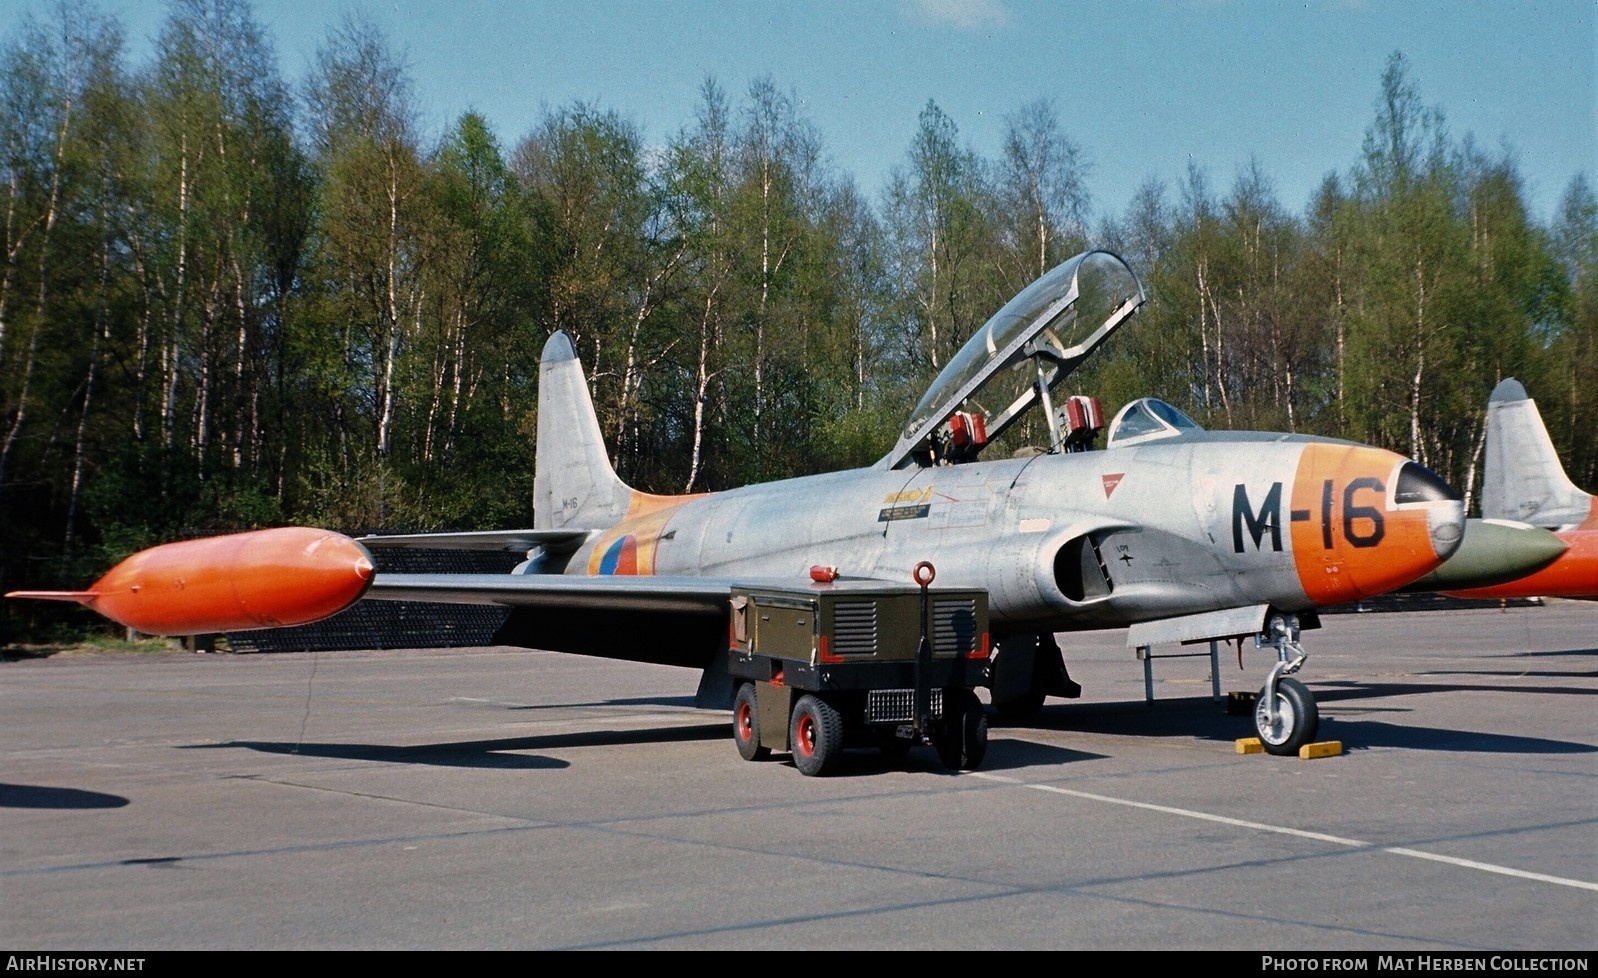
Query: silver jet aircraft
column 1183, row 534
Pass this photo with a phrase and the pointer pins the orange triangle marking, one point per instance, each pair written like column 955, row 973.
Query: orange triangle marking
column 1111, row 481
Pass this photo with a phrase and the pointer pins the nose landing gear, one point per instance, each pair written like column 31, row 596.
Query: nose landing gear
column 1285, row 714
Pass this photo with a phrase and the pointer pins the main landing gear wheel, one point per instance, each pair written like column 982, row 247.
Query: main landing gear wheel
column 816, row 733
column 962, row 737
column 746, row 725
column 1296, row 721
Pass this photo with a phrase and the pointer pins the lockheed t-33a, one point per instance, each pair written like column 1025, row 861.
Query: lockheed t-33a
column 1178, row 533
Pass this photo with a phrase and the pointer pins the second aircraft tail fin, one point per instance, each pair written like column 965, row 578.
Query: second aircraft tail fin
column 1523, row 478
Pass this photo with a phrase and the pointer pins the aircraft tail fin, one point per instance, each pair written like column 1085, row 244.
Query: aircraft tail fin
column 1523, row 478
column 574, row 485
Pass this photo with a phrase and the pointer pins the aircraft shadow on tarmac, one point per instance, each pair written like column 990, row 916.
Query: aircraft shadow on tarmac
column 486, row 754
column 1191, row 718
column 1205, row 719
column 45, row 796
column 1511, row 665
column 506, row 754
column 1335, row 692
column 1365, row 734
column 1538, row 655
column 682, row 701
column 865, row 762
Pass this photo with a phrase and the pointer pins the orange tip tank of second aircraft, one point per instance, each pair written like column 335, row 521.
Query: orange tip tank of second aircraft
column 242, row 581
column 1573, row 574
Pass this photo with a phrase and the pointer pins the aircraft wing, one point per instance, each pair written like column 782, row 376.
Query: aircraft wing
column 598, row 592
column 510, row 541
column 677, row 621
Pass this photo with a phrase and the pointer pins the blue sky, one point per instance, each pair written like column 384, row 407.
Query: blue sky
column 1142, row 87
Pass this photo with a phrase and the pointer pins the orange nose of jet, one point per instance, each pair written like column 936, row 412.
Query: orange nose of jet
column 1366, row 521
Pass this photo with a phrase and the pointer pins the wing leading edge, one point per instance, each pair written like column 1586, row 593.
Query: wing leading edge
column 509, row 541
column 688, row 595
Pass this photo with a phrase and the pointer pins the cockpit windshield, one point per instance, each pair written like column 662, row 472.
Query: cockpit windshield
column 1018, row 357
column 1148, row 419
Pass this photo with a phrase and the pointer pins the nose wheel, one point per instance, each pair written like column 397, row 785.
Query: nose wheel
column 1288, row 720
column 1285, row 714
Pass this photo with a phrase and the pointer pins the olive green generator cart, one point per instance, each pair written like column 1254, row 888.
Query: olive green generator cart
column 859, row 664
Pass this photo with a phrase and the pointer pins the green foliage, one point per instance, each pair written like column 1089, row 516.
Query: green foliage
column 222, row 307
column 148, row 495
column 857, row 438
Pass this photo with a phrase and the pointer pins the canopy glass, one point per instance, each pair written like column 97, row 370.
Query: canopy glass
column 1021, row 354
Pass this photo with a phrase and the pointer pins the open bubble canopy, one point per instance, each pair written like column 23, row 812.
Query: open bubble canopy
column 1024, row 351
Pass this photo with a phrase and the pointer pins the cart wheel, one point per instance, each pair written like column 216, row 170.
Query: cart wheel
column 746, row 725
column 816, row 733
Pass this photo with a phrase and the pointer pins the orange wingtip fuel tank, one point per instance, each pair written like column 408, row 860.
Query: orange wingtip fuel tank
column 262, row 579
